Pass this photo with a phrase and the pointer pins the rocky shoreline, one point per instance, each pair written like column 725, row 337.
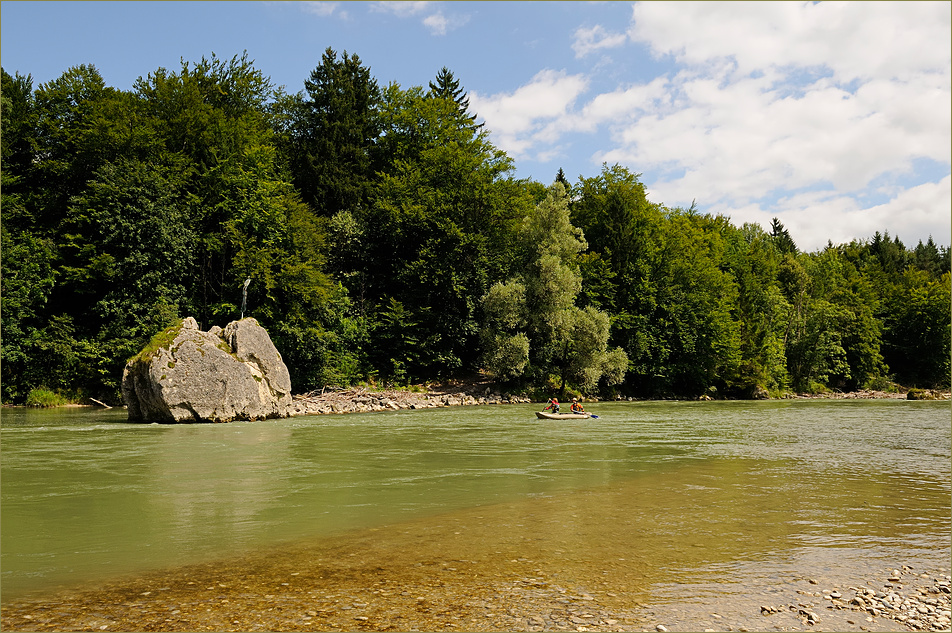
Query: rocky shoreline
column 367, row 401
column 924, row 604
column 364, row 400
column 868, row 394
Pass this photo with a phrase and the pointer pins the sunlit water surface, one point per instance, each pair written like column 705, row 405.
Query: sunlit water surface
column 694, row 493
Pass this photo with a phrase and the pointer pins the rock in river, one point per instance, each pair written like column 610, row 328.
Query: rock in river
column 187, row 375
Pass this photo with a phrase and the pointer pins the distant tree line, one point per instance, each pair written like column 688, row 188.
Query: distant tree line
column 388, row 240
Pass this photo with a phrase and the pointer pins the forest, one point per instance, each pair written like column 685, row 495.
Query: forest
column 388, row 242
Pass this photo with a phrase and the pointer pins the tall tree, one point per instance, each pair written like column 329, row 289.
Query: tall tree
column 211, row 121
column 670, row 297
column 761, row 311
column 19, row 123
column 531, row 321
column 781, row 237
column 929, row 258
column 330, row 134
column 448, row 87
column 917, row 329
column 67, row 140
column 623, row 229
column 436, row 233
column 26, row 257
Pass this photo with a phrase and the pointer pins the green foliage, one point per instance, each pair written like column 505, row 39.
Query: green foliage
column 329, row 133
column 59, row 359
column 916, row 339
column 671, row 301
column 448, row 87
column 385, row 238
column 161, row 340
column 920, row 394
column 505, row 345
column 42, row 397
column 761, row 309
column 19, row 129
column 531, row 321
column 28, row 278
column 436, row 234
column 781, row 238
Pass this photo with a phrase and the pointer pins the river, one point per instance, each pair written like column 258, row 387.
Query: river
column 686, row 500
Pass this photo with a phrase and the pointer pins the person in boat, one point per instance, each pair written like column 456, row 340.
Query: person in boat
column 553, row 404
column 577, row 406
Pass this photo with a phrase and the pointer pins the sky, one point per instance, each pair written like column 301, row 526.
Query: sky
column 833, row 117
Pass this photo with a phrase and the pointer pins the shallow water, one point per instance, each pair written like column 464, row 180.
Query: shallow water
column 722, row 497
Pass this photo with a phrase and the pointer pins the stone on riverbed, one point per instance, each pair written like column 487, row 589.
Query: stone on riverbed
column 187, row 375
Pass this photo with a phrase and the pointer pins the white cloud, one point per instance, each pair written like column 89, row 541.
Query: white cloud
column 434, row 19
column 923, row 210
column 323, row 9
column 854, row 39
column 627, row 102
column 400, row 8
column 440, row 24
column 799, row 110
column 437, row 23
column 749, row 126
column 595, row 38
column 519, row 119
column 816, row 217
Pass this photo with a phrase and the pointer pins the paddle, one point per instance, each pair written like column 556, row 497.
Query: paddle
column 592, row 415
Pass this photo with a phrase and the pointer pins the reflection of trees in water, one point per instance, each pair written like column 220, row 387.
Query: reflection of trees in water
column 215, row 485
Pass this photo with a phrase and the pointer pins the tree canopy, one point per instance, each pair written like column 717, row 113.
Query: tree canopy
column 387, row 239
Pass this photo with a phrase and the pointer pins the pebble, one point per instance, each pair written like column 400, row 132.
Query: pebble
column 923, row 607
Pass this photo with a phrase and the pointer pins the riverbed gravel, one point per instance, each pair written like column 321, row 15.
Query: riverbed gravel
column 357, row 584
column 918, row 601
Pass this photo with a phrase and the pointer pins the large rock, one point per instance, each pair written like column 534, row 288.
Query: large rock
column 186, row 375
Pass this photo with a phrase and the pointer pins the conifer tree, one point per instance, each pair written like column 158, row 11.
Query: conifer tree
column 334, row 126
column 448, row 87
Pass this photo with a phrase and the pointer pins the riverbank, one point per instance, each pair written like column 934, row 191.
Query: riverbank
column 473, row 393
column 365, row 400
column 867, row 394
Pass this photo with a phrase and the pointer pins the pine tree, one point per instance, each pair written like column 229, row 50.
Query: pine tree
column 447, row 87
column 333, row 129
column 781, row 236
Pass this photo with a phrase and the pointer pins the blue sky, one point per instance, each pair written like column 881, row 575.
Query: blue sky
column 834, row 117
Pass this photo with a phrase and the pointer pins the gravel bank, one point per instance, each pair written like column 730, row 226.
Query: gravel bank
column 919, row 601
column 366, row 401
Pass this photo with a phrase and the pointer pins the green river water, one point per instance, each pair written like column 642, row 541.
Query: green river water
column 717, row 496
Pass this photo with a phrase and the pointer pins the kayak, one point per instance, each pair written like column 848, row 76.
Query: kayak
column 544, row 415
